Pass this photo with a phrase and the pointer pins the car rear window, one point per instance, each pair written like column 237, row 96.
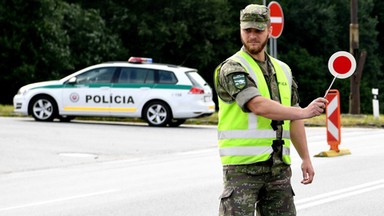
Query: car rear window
column 196, row 79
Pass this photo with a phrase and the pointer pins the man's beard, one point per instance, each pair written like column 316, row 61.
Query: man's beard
column 256, row 50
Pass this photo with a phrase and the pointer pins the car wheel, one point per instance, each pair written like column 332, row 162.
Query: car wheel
column 157, row 113
column 176, row 122
column 43, row 108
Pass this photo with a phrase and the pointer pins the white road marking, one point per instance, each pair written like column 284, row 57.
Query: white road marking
column 57, row 200
column 339, row 194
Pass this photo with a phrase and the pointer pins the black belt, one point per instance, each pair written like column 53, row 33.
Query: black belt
column 276, row 144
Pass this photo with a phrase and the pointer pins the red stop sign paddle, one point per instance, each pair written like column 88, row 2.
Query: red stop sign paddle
column 341, row 65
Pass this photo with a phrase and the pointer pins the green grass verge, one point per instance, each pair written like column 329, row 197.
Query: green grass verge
column 319, row 121
column 7, row 110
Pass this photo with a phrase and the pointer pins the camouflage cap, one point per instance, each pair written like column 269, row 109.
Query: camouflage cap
column 254, row 16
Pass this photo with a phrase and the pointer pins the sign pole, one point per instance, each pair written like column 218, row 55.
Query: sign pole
column 334, row 78
column 272, row 47
column 275, row 47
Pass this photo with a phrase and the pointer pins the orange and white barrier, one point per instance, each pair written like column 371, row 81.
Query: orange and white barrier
column 333, row 124
column 333, row 119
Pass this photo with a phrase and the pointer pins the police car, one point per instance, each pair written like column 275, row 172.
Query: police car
column 158, row 93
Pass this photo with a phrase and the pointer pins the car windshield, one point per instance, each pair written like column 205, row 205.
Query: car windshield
column 99, row 75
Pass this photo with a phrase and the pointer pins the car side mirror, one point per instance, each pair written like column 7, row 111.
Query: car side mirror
column 72, row 80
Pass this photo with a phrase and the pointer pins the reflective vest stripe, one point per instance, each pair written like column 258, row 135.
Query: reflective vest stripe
column 226, row 160
column 245, row 150
column 252, row 121
column 247, row 65
column 232, row 134
column 249, row 150
column 287, row 72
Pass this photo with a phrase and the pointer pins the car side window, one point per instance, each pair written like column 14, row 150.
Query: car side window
column 136, row 75
column 99, row 75
column 167, row 77
column 150, row 77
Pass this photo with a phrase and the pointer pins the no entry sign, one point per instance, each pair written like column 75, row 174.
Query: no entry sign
column 277, row 19
column 342, row 64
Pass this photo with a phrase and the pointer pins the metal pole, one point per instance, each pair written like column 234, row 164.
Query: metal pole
column 275, row 47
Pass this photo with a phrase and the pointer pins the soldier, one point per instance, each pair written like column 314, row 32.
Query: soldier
column 259, row 116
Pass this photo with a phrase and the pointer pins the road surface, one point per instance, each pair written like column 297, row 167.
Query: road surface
column 120, row 169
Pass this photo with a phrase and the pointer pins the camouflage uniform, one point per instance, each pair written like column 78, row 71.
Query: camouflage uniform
column 267, row 182
column 264, row 186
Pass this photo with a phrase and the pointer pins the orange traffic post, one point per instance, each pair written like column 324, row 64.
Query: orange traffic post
column 333, row 124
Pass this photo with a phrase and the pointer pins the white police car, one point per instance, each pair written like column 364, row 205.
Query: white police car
column 158, row 93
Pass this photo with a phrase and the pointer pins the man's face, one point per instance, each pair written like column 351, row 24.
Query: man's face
column 255, row 40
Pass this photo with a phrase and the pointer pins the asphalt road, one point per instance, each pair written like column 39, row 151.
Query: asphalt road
column 101, row 169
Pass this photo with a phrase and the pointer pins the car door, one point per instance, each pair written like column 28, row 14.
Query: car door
column 89, row 93
column 130, row 91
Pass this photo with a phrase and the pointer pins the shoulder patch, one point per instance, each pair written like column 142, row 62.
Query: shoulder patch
column 239, row 80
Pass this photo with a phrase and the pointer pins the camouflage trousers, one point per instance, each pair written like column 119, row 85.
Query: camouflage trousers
column 263, row 188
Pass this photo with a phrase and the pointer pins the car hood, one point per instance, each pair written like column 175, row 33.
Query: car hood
column 40, row 84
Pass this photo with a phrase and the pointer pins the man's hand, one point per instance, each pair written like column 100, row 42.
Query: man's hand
column 316, row 107
column 308, row 172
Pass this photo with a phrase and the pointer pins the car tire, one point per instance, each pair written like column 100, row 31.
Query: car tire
column 43, row 108
column 176, row 122
column 66, row 118
column 157, row 113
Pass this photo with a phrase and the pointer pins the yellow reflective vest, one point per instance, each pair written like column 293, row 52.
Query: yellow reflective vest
column 246, row 138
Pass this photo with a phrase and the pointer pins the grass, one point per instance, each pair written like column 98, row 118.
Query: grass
column 347, row 120
column 7, row 110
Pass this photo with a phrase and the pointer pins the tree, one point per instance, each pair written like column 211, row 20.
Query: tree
column 313, row 31
column 377, row 78
column 46, row 39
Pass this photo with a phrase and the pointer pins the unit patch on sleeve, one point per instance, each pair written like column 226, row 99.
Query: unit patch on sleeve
column 239, row 80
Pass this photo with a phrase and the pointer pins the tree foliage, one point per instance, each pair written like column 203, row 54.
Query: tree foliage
column 321, row 28
column 48, row 39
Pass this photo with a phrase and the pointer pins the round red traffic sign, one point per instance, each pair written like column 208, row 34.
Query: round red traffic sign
column 277, row 19
column 342, row 64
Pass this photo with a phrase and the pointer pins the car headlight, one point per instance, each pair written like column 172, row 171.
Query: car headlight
column 22, row 91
